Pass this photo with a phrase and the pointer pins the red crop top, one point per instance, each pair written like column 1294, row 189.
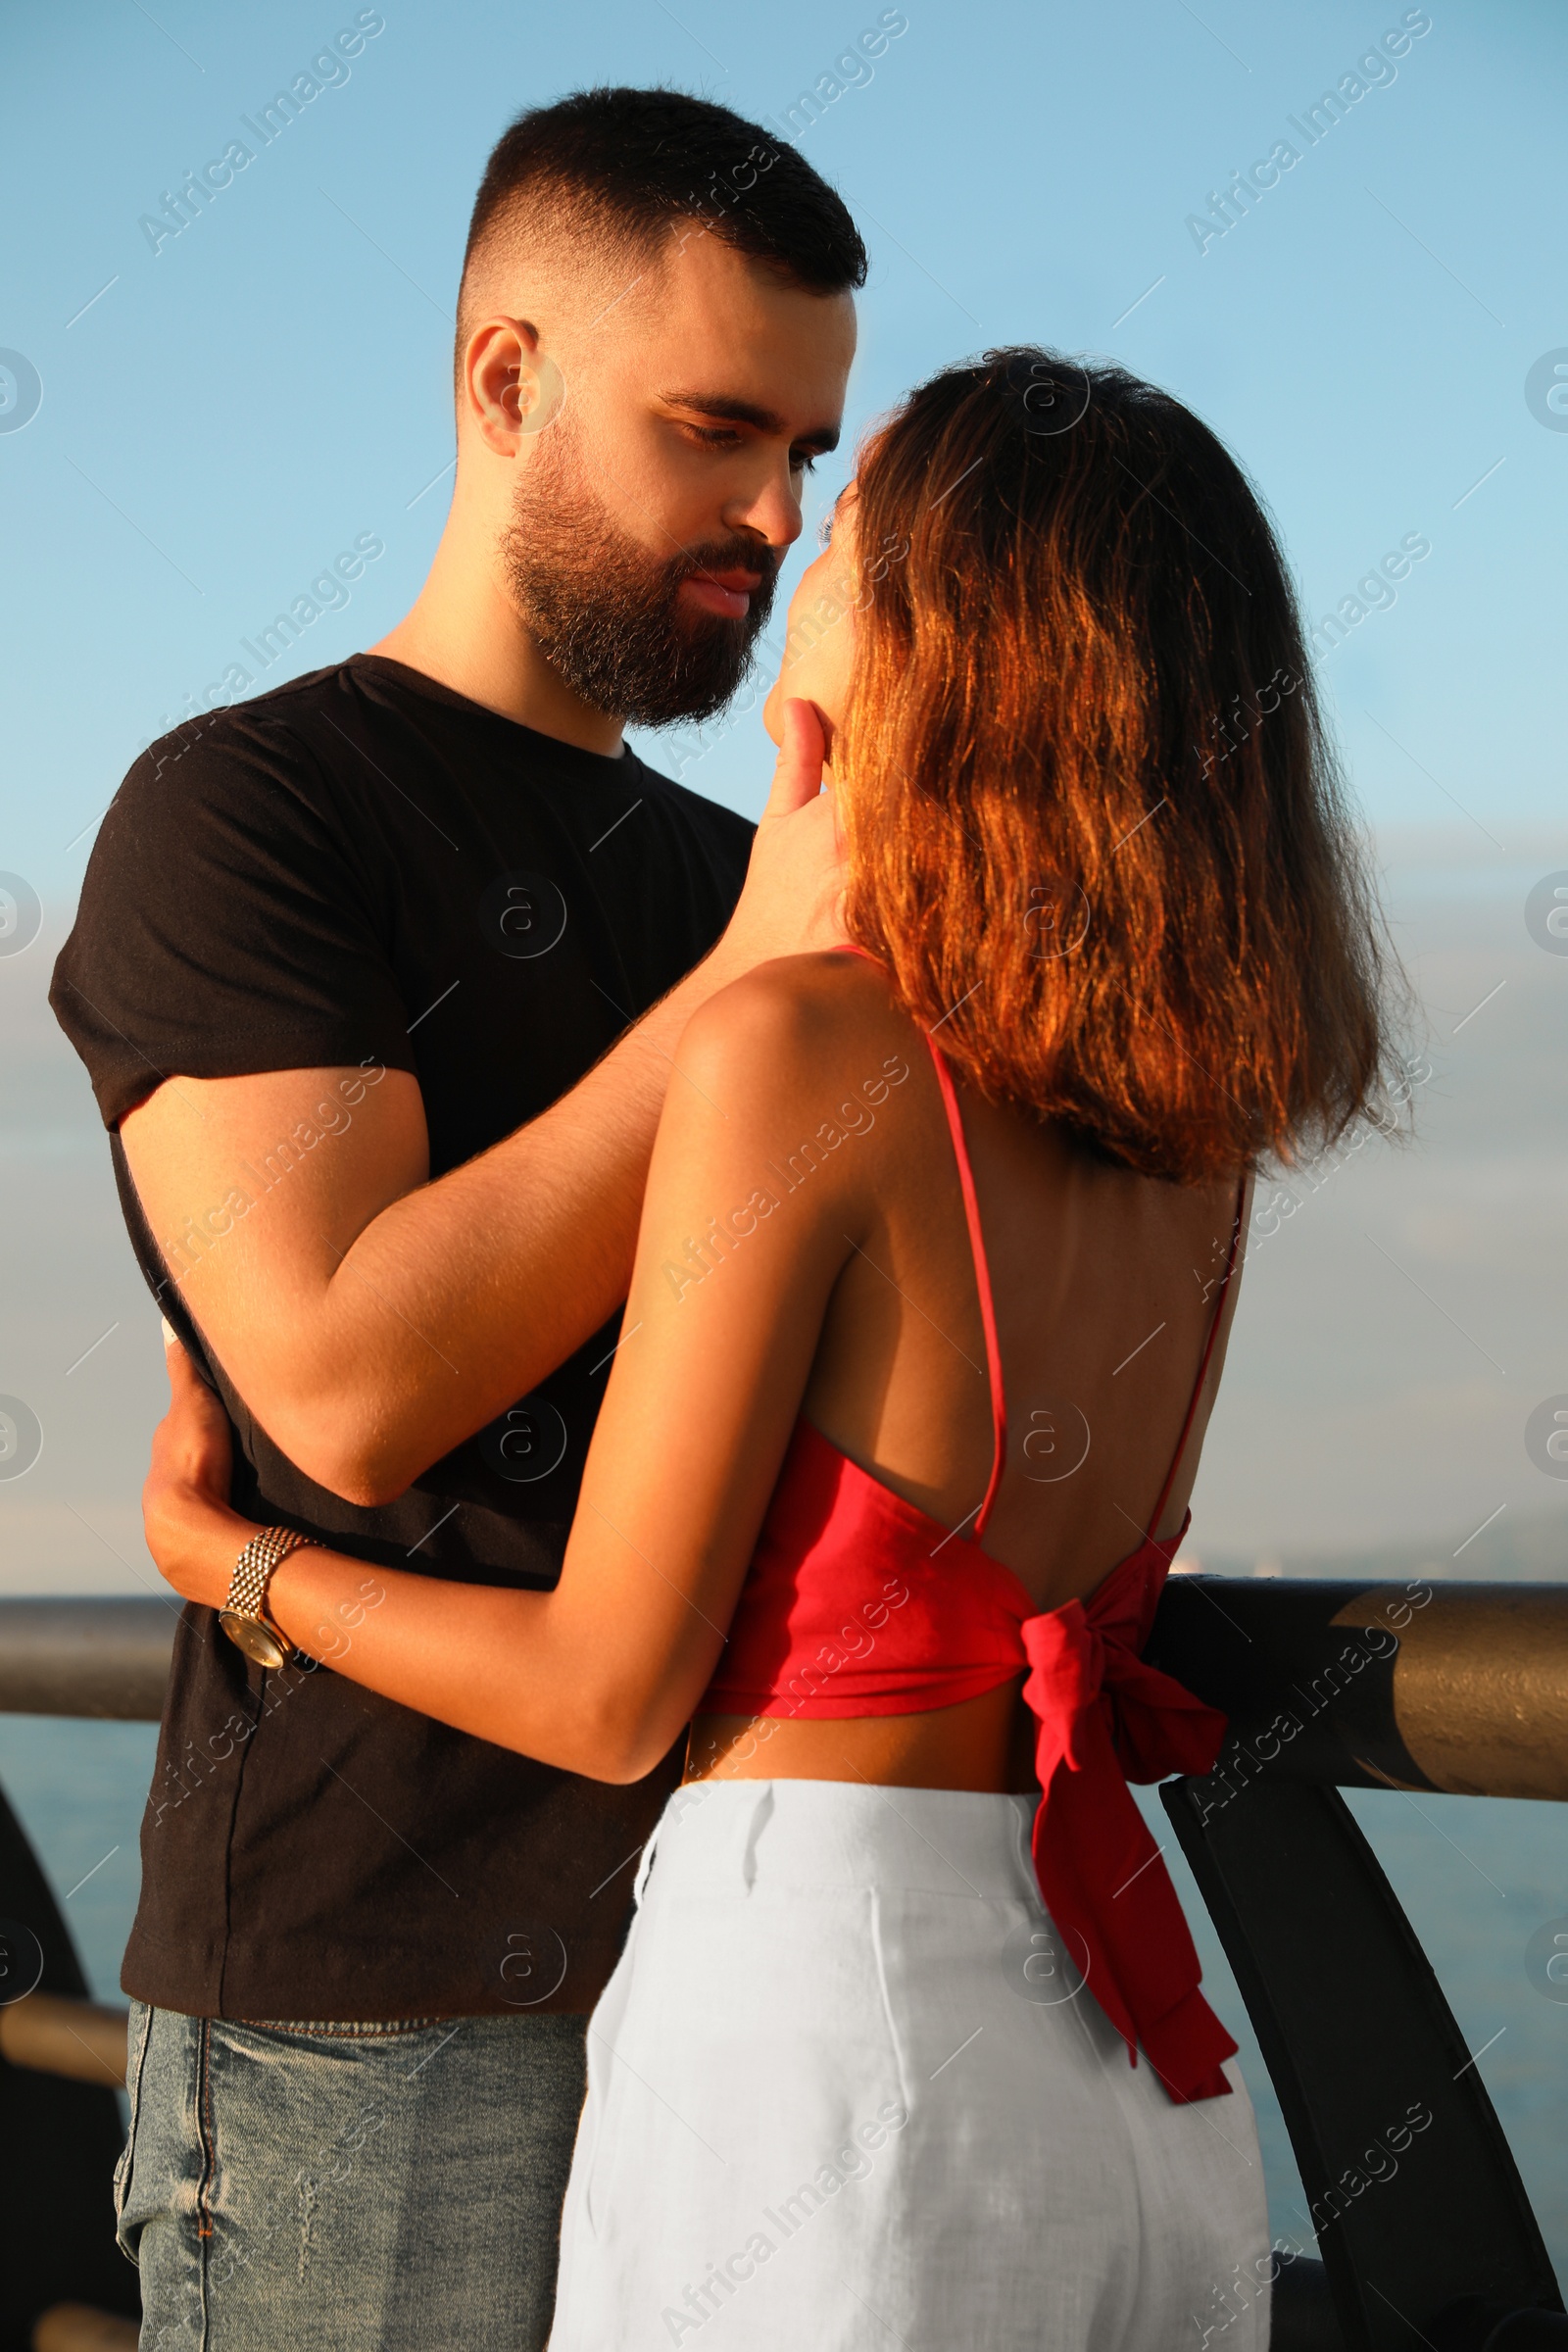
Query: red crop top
column 857, row 1604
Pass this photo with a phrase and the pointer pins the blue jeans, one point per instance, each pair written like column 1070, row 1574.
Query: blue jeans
column 348, row 2189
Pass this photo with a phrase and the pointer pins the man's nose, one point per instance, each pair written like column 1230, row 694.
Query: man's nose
column 771, row 508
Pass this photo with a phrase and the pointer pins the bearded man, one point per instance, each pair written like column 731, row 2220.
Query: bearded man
column 380, row 979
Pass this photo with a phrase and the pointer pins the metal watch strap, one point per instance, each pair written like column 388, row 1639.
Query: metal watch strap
column 252, row 1572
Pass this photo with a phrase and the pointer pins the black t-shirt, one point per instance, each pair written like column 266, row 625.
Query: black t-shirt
column 363, row 868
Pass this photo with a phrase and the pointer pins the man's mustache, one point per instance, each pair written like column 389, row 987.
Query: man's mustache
column 731, row 555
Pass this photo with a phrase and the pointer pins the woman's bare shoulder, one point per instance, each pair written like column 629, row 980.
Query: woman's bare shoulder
column 802, row 1020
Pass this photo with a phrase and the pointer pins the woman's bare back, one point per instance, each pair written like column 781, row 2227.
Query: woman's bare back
column 1104, row 1284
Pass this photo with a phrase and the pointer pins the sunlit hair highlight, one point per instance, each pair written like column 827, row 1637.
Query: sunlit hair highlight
column 1094, row 822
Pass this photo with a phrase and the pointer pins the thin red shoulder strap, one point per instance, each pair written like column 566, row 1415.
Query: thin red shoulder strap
column 1203, row 1369
column 982, row 1277
column 977, row 1250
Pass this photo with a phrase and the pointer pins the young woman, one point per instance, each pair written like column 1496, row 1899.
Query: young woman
column 937, row 1261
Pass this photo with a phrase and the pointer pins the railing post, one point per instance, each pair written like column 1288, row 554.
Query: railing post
column 57, row 2217
column 1410, row 2184
column 1423, row 2223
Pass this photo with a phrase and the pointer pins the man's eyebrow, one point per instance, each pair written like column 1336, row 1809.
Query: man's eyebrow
column 821, row 437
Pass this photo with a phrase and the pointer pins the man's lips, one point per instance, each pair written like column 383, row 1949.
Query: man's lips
column 727, row 592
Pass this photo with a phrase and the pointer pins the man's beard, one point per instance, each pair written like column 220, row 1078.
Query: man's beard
column 606, row 615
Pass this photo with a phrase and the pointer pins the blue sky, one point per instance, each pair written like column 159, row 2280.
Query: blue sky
column 219, row 419
column 239, row 404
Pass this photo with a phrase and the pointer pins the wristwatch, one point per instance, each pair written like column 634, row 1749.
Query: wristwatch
column 243, row 1616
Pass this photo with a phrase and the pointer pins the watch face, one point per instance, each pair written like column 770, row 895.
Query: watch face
column 253, row 1637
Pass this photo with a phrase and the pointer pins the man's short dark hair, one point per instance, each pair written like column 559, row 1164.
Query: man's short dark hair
column 625, row 164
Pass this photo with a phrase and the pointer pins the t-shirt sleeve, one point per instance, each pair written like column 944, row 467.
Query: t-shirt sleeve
column 228, row 924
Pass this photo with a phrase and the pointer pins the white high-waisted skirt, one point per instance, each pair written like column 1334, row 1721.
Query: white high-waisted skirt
column 844, row 2093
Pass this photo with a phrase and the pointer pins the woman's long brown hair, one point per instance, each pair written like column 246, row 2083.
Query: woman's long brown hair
column 1093, row 820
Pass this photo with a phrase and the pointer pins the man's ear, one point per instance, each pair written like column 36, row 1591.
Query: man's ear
column 512, row 385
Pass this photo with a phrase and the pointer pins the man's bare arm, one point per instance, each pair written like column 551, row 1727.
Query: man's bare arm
column 372, row 1319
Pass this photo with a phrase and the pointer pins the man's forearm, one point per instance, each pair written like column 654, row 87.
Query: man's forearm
column 464, row 1294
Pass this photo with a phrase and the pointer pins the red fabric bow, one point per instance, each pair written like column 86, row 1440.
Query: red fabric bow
column 1106, row 1717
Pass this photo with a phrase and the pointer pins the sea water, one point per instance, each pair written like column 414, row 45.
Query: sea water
column 1477, row 1877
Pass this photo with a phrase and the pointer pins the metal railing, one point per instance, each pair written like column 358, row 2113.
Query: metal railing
column 1448, row 1688
column 86, row 1657
column 1455, row 1688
